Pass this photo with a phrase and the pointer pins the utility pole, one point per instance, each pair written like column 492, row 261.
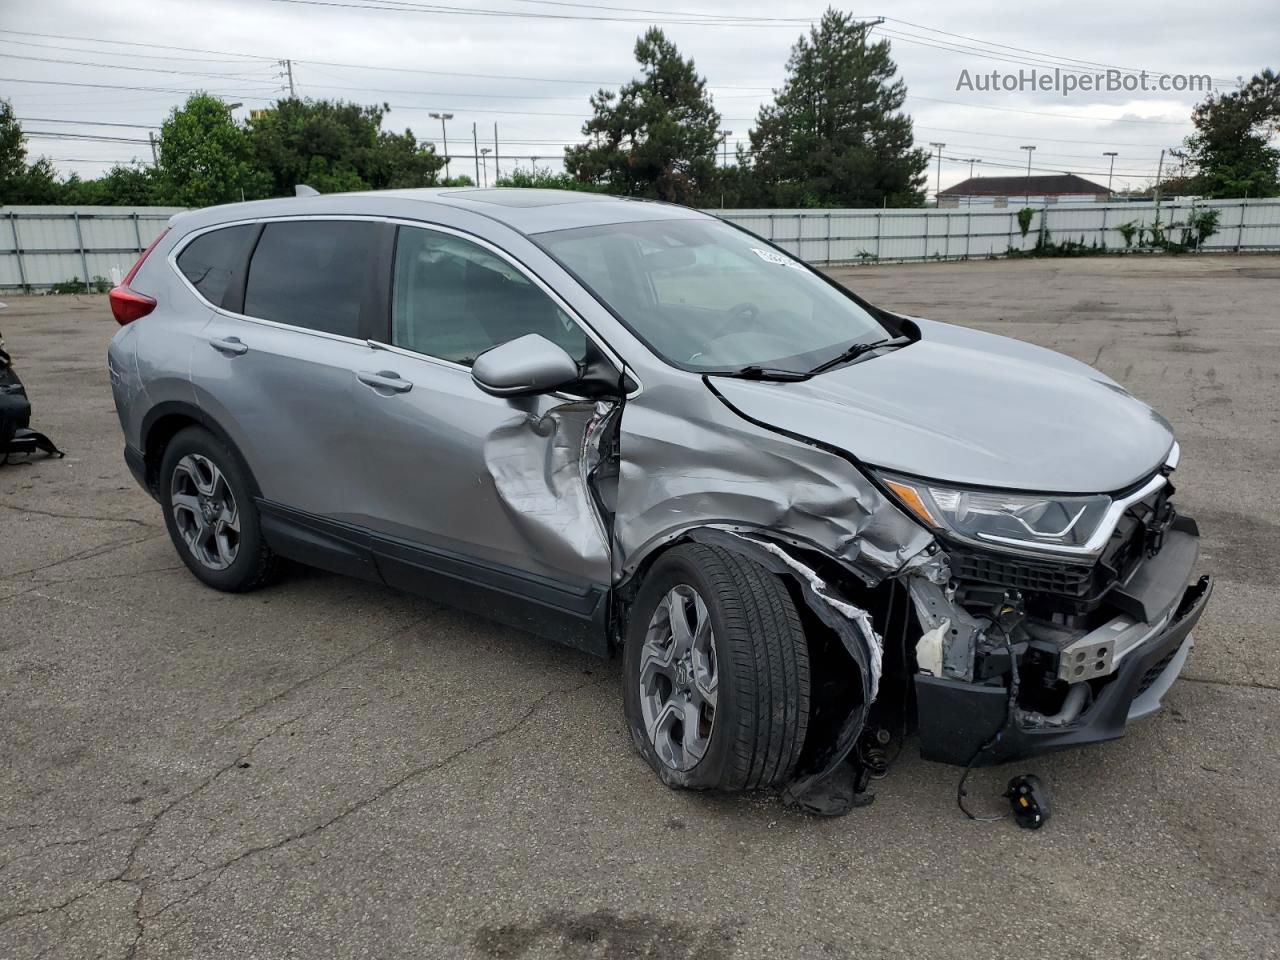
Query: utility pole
column 495, row 155
column 475, row 147
column 484, row 165
column 444, row 134
column 288, row 72
column 937, row 194
column 155, row 159
column 1112, row 154
column 1029, row 148
column 1159, row 171
column 972, row 161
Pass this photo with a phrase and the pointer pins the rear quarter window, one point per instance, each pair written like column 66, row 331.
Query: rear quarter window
column 210, row 259
column 312, row 274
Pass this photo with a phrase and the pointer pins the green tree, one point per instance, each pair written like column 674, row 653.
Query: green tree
column 334, row 146
column 542, row 178
column 1231, row 146
column 21, row 182
column 205, row 156
column 834, row 135
column 657, row 136
column 122, row 186
column 13, row 152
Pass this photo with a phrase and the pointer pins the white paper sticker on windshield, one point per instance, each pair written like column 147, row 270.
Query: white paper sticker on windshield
column 772, row 256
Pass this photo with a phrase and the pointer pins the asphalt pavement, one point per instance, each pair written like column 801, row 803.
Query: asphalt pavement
column 330, row 768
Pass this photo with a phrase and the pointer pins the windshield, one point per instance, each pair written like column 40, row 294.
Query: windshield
column 707, row 296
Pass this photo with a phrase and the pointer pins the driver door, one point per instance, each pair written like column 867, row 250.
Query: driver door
column 481, row 499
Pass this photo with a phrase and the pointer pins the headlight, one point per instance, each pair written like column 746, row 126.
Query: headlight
column 994, row 519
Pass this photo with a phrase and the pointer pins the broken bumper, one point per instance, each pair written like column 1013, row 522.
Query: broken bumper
column 956, row 718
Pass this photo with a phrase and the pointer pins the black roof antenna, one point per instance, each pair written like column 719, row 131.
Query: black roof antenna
column 302, row 190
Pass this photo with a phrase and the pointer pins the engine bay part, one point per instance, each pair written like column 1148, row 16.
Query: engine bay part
column 1030, row 800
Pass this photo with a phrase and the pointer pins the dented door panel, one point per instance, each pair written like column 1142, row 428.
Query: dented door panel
column 501, row 481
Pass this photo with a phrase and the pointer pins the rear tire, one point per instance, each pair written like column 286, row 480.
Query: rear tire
column 739, row 649
column 210, row 514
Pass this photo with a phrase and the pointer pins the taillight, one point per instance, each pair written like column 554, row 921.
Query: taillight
column 128, row 305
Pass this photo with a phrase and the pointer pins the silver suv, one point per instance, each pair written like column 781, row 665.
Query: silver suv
column 805, row 521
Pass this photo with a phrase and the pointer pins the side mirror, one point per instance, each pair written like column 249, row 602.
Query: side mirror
column 523, row 367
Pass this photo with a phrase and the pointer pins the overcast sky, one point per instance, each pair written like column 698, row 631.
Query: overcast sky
column 541, row 70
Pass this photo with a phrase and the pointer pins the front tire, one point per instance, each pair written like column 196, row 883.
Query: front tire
column 210, row 513
column 716, row 672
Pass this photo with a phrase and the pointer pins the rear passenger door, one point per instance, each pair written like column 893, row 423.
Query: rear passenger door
column 278, row 366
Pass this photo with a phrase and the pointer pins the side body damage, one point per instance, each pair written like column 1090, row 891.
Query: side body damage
column 801, row 511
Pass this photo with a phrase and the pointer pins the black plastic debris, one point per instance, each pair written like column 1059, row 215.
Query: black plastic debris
column 16, row 436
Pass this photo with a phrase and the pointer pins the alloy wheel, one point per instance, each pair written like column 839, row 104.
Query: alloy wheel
column 679, row 679
column 205, row 511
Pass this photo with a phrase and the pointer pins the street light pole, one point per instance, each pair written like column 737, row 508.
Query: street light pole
column 444, row 134
column 1029, row 148
column 484, row 163
column 937, row 194
column 1112, row 154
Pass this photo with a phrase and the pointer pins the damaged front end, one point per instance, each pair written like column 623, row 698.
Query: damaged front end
column 921, row 629
column 1095, row 642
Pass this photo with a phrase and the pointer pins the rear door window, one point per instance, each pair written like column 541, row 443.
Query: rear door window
column 313, row 274
column 210, row 259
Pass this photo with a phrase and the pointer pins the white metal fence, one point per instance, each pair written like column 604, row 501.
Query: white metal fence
column 43, row 247
column 852, row 236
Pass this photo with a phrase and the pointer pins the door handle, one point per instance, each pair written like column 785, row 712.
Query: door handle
column 385, row 380
column 231, row 346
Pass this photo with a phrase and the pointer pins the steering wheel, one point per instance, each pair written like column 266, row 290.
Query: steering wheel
column 738, row 313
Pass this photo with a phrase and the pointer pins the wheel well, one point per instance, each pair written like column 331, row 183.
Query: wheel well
column 890, row 610
column 157, row 438
column 165, row 427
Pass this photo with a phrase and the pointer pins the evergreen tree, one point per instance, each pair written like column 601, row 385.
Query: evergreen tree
column 657, row 136
column 834, row 135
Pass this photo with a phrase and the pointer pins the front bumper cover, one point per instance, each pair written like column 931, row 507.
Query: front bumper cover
column 956, row 718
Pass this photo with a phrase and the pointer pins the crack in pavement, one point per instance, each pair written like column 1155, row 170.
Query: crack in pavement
column 148, row 827
column 344, row 661
column 74, row 516
column 88, row 553
column 1246, row 684
column 493, row 737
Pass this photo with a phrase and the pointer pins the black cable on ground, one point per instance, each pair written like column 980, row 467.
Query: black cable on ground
column 995, row 738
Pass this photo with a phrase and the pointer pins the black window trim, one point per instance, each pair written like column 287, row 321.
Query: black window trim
column 379, row 318
column 594, row 340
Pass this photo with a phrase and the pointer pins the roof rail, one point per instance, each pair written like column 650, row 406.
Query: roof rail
column 302, row 190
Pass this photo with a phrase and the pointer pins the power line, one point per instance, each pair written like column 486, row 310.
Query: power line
column 134, row 43
column 1039, row 53
column 52, row 135
column 116, row 86
column 112, row 53
column 120, row 66
column 88, row 123
column 392, row 6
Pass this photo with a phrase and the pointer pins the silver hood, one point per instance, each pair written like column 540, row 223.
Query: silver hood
column 971, row 408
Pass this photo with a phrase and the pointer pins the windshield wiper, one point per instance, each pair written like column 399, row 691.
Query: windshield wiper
column 854, row 351
column 757, row 372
